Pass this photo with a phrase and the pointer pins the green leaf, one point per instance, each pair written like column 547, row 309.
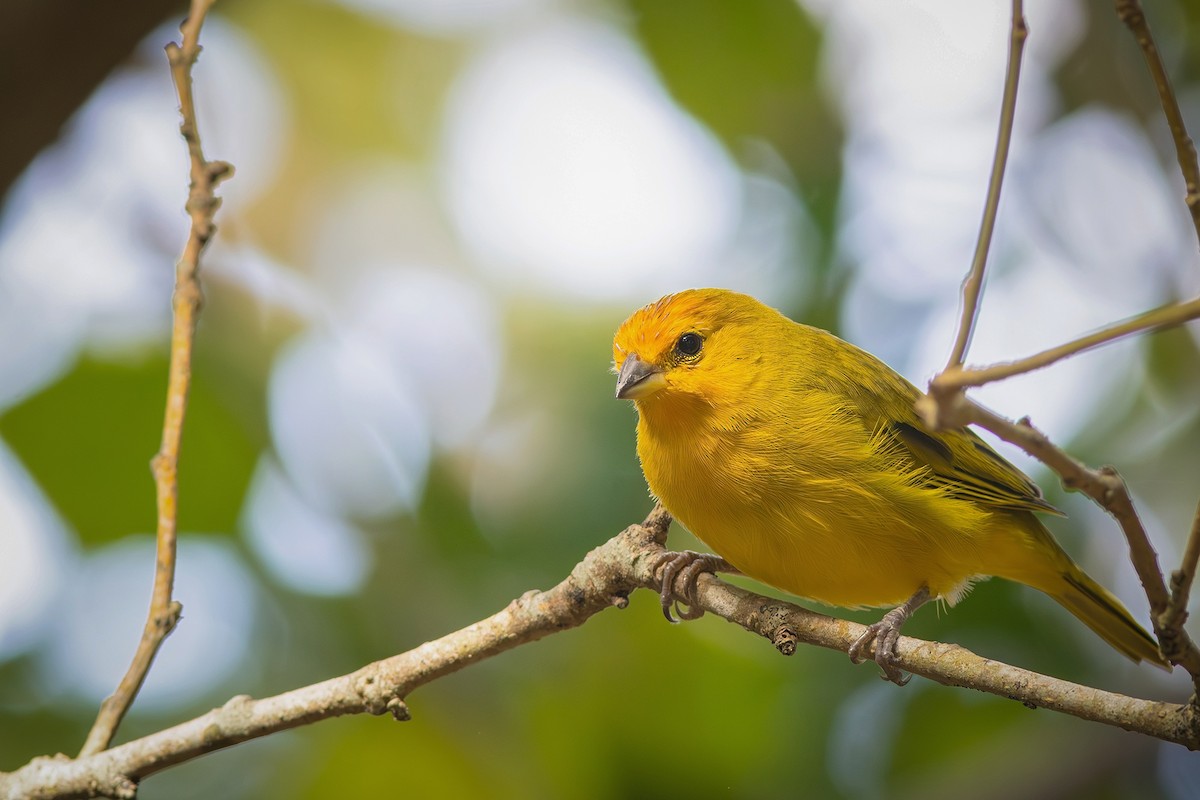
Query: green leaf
column 88, row 440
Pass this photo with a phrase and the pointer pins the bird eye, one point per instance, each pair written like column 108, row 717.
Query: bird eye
column 689, row 344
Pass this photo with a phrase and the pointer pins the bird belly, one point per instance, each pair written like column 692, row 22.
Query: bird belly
column 838, row 566
column 851, row 541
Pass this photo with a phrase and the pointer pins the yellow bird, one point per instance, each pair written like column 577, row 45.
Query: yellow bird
column 799, row 459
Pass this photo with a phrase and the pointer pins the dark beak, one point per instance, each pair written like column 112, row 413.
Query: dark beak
column 636, row 379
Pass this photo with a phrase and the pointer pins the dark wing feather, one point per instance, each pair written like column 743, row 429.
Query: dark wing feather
column 957, row 461
column 964, row 465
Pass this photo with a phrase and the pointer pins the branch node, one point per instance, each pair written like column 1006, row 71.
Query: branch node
column 1177, row 579
column 169, row 618
column 1130, row 13
column 374, row 702
column 785, row 639
column 217, row 171
column 399, row 710
column 236, row 704
column 944, row 407
column 657, row 524
column 123, row 788
column 1112, row 483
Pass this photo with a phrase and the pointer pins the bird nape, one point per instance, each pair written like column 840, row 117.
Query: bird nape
column 800, row 460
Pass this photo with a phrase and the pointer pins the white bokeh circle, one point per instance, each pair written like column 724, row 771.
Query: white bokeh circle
column 91, row 230
column 103, row 610
column 440, row 332
column 304, row 548
column 349, row 431
column 36, row 554
column 568, row 169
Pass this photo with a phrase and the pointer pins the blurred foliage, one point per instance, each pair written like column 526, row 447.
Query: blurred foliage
column 1093, row 75
column 88, row 440
column 628, row 706
column 351, row 94
column 748, row 71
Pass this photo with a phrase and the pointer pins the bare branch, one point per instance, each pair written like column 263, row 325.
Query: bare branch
column 1181, row 581
column 947, row 406
column 201, row 206
column 608, row 574
column 955, row 379
column 1105, row 486
column 604, row 578
column 1130, row 13
column 973, row 284
column 783, row 624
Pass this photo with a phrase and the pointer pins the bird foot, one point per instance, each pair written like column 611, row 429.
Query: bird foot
column 885, row 635
column 686, row 565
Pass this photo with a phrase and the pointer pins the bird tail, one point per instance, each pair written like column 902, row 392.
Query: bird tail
column 1058, row 576
column 1096, row 607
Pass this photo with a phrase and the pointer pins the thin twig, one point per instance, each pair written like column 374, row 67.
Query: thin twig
column 1130, row 13
column 946, row 406
column 201, row 206
column 1106, row 487
column 1181, row 581
column 606, row 577
column 1171, row 618
column 955, row 379
column 973, row 283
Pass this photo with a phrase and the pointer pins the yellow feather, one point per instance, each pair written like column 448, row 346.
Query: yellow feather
column 799, row 458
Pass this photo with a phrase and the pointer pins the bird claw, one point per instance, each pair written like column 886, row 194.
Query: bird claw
column 688, row 565
column 885, row 636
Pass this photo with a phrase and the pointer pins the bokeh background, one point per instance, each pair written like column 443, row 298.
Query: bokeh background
column 403, row 417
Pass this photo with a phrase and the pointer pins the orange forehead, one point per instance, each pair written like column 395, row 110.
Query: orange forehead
column 652, row 330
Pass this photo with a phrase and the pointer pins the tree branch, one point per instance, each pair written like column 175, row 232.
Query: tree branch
column 973, row 284
column 1176, row 612
column 605, row 577
column 948, row 664
column 955, row 379
column 947, row 406
column 201, row 205
column 1130, row 12
column 608, row 574
column 1106, row 487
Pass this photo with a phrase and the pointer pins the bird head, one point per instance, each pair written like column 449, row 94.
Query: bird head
column 695, row 344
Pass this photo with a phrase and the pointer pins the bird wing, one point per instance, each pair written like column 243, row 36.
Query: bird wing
column 956, row 461
column 964, row 465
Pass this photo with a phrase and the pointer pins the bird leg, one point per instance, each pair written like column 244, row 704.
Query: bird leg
column 686, row 564
column 885, row 634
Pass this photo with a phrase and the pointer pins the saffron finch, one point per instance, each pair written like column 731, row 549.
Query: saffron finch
column 799, row 459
